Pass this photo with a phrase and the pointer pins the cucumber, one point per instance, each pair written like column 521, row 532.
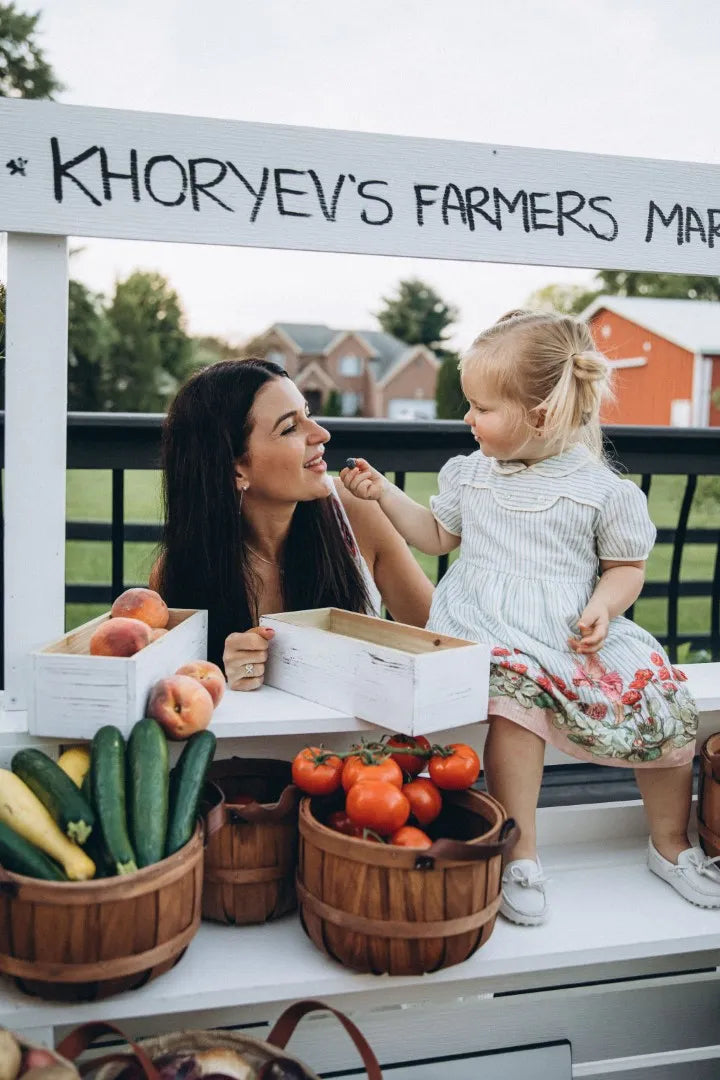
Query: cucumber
column 56, row 791
column 107, row 780
column 147, row 791
column 186, row 784
column 21, row 857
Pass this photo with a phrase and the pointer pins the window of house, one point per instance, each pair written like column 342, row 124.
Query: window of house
column 276, row 357
column 350, row 365
column 351, row 402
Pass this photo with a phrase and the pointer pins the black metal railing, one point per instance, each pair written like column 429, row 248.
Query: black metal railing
column 118, row 442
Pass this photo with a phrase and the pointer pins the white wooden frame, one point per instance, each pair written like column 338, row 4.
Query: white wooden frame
column 40, row 206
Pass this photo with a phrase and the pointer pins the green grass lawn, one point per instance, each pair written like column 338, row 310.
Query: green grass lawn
column 89, row 499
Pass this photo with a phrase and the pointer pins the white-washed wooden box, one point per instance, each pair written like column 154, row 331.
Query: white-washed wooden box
column 73, row 693
column 397, row 676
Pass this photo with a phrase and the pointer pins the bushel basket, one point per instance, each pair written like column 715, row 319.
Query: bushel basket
column 708, row 803
column 262, row 1060
column 403, row 911
column 82, row 941
column 251, row 853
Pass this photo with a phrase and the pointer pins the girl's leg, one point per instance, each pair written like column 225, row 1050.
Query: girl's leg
column 513, row 761
column 667, row 795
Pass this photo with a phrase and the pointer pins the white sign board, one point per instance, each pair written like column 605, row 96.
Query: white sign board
column 73, row 170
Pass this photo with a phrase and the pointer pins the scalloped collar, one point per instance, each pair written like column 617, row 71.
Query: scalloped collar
column 558, row 465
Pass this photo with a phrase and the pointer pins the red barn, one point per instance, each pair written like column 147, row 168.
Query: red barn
column 666, row 354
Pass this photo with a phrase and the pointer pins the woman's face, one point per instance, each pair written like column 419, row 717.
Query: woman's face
column 284, row 459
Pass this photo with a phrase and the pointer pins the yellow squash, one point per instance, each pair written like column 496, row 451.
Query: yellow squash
column 22, row 811
column 75, row 762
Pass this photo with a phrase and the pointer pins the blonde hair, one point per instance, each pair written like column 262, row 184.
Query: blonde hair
column 547, row 361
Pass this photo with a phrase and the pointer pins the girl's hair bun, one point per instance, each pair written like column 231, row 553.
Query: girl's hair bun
column 589, row 366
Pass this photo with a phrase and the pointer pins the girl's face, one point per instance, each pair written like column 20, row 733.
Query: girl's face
column 284, row 460
column 495, row 422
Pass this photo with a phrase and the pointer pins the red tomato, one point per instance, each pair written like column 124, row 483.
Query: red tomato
column 409, row 836
column 340, row 822
column 355, row 770
column 410, row 763
column 378, row 805
column 458, row 770
column 316, row 771
column 424, row 798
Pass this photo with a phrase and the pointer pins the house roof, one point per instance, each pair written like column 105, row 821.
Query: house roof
column 691, row 324
column 315, row 338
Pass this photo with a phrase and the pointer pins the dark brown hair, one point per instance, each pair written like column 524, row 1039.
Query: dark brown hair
column 203, row 559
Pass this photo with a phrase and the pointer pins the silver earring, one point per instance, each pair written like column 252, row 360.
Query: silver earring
column 240, row 500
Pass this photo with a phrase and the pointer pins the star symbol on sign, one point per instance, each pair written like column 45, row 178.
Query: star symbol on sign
column 16, row 165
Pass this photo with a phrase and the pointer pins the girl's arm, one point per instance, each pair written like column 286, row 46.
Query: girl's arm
column 414, row 522
column 404, row 588
column 619, row 586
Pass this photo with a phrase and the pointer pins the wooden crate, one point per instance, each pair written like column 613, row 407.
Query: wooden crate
column 73, row 693
column 390, row 674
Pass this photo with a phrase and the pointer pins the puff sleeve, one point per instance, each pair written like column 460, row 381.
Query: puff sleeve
column 445, row 506
column 625, row 531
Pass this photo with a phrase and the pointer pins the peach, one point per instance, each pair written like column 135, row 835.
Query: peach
column 120, row 637
column 143, row 604
column 181, row 705
column 158, row 632
column 207, row 673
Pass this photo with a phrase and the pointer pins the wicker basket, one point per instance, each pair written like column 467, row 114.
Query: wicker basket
column 378, row 908
column 82, row 941
column 137, row 1063
column 251, row 853
column 708, row 804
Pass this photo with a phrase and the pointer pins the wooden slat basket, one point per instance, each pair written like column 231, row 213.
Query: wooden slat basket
column 384, row 909
column 708, row 804
column 251, row 853
column 83, row 941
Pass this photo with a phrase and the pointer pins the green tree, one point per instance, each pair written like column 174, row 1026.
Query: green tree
column 90, row 336
column 449, row 399
column 573, row 299
column 417, row 314
column 569, row 299
column 150, row 353
column 24, row 71
column 332, row 406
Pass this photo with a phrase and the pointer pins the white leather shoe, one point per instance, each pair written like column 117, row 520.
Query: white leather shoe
column 523, row 893
column 695, row 876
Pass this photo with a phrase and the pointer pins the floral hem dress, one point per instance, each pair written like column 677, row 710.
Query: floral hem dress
column 532, row 538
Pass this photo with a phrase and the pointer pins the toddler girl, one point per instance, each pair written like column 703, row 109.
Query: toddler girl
column 554, row 545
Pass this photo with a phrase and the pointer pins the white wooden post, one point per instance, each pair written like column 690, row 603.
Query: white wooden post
column 35, row 451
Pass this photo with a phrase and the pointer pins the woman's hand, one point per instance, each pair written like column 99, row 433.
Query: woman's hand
column 362, row 480
column 593, row 625
column 245, row 656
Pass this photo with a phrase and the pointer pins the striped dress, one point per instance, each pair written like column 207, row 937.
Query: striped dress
column 531, row 540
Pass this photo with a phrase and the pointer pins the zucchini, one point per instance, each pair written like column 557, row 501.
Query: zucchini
column 147, row 790
column 76, row 763
column 22, row 811
column 21, row 857
column 186, row 784
column 107, row 782
column 56, row 791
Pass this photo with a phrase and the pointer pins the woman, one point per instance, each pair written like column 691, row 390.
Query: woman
column 253, row 524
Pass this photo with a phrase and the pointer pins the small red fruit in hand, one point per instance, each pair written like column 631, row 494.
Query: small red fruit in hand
column 455, row 770
column 410, row 764
column 409, row 836
column 424, row 798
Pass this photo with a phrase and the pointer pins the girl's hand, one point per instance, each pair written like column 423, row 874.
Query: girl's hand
column 245, row 656
column 362, row 480
column 593, row 625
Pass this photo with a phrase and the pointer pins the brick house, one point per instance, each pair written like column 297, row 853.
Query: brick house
column 373, row 373
column 667, row 359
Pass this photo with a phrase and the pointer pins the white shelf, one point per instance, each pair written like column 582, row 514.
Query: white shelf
column 606, row 908
column 268, row 711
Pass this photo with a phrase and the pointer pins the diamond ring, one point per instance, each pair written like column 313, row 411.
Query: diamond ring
column 248, row 671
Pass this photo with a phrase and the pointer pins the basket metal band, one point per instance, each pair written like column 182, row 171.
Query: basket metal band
column 99, row 970
column 395, row 928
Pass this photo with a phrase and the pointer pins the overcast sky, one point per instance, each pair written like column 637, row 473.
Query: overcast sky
column 636, row 77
